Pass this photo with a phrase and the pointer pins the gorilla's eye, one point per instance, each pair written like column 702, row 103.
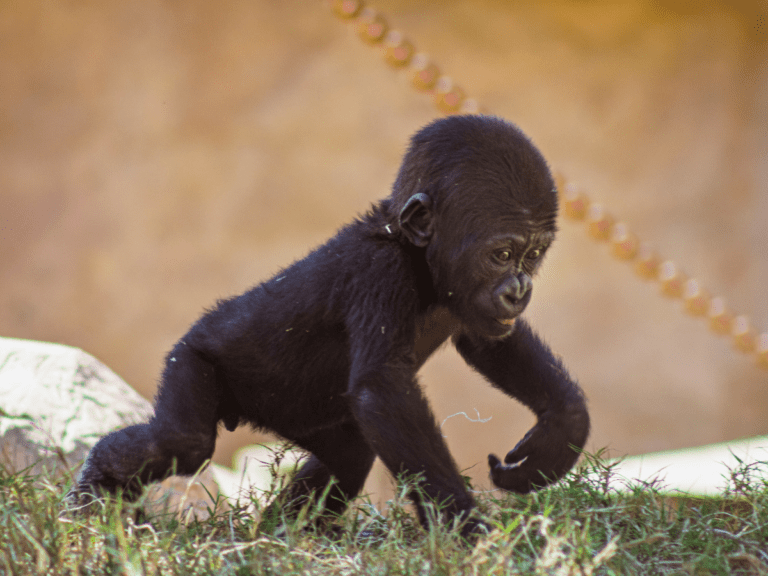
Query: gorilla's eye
column 534, row 254
column 503, row 255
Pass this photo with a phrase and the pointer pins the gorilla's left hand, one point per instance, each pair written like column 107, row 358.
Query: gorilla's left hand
column 545, row 454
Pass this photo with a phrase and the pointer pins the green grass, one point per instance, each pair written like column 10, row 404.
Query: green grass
column 580, row 526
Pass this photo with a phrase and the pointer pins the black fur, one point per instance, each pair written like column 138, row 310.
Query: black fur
column 326, row 353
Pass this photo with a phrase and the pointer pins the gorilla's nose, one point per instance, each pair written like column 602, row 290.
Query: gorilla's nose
column 514, row 292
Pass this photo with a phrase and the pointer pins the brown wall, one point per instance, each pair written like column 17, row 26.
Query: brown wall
column 155, row 156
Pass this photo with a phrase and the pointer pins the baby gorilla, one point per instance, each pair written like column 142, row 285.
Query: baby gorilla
column 325, row 354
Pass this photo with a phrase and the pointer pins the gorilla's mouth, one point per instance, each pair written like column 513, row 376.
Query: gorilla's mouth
column 506, row 321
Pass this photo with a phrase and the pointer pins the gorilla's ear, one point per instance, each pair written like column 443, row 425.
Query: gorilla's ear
column 416, row 219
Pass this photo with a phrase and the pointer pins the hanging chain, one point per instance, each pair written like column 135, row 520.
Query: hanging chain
column 449, row 98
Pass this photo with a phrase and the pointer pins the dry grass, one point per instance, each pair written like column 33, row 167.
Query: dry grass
column 581, row 526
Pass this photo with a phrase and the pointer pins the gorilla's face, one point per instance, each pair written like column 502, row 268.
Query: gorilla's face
column 490, row 275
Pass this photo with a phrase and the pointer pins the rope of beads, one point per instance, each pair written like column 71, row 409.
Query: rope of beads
column 449, row 98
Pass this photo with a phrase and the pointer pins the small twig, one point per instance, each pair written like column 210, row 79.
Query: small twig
column 480, row 420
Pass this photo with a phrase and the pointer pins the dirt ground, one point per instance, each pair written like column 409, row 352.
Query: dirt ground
column 156, row 156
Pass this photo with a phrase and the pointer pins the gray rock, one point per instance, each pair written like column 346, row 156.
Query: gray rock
column 56, row 401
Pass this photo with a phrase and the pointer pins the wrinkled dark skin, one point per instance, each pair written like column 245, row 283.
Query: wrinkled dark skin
column 326, row 353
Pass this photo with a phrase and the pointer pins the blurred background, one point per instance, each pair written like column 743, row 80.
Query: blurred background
column 158, row 155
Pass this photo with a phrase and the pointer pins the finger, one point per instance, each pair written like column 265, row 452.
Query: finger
column 519, row 453
column 493, row 461
column 512, row 479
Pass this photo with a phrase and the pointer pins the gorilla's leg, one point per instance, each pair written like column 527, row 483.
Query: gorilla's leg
column 339, row 454
column 179, row 438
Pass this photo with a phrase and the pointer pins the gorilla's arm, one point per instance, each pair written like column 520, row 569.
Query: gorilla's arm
column 396, row 421
column 523, row 366
column 390, row 408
